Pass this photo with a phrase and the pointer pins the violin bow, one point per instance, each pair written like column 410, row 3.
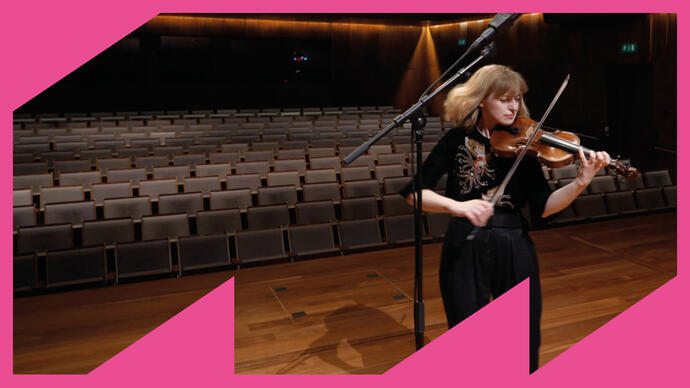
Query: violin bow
column 499, row 193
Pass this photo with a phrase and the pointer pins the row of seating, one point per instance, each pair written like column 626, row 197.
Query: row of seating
column 609, row 183
column 29, row 152
column 620, row 203
column 67, row 265
column 118, row 199
column 221, row 122
column 196, row 113
column 227, row 123
column 163, row 157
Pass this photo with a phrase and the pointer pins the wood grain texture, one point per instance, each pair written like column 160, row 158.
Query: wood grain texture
column 348, row 314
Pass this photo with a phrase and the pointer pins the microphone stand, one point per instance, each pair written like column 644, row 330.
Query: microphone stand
column 415, row 115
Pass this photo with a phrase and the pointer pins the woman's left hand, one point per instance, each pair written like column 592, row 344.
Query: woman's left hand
column 589, row 167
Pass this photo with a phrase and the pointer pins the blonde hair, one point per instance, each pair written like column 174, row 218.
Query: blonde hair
column 461, row 106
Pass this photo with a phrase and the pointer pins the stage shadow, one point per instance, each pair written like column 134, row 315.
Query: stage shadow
column 362, row 334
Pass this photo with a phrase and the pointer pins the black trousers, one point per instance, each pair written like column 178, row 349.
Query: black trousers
column 474, row 272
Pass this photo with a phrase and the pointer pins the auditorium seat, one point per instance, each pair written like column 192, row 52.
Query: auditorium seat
column 602, row 184
column 75, row 266
column 393, row 185
column 569, row 171
column 72, row 212
column 191, row 160
column 29, row 168
column 590, row 206
column 265, row 146
column 149, row 162
column 72, row 165
column 312, row 239
column 291, row 165
column 24, row 157
column 316, row 212
column 101, row 191
column 320, row 176
column 188, row 203
column 132, row 175
column 657, row 178
column 395, row 205
column 230, row 199
column 133, row 153
column 22, row 197
column 55, row 194
column 259, row 167
column 368, row 161
column 23, row 216
column 42, row 238
column 257, row 156
column 266, row 217
column 33, row 181
column 35, row 149
column 259, row 245
column 650, row 199
column 204, row 251
column 321, row 191
column 92, row 155
column 84, row 179
column 239, row 148
column 670, row 196
column 203, row 184
column 136, row 207
column 142, row 258
column 388, row 171
column 621, row 202
column 169, row 226
column 290, row 154
column 220, row 170
column 397, row 158
column 277, row 195
column 108, row 232
column 361, row 233
column 625, row 184
column 181, row 141
column 361, row 188
column 104, row 165
column 218, row 221
column 74, row 146
column 437, row 223
column 154, row 188
column 354, row 208
column 399, row 228
column 325, row 162
column 320, row 152
column 244, row 181
column 283, row 178
column 355, row 173
column 224, row 157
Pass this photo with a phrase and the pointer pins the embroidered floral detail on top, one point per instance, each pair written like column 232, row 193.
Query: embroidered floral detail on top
column 472, row 167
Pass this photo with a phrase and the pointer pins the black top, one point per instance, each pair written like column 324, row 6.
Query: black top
column 474, row 172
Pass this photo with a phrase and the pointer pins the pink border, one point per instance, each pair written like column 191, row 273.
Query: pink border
column 645, row 346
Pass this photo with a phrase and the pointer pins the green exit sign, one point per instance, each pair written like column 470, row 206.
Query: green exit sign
column 629, row 48
column 462, row 42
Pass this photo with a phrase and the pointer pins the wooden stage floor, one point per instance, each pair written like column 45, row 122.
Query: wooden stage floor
column 348, row 314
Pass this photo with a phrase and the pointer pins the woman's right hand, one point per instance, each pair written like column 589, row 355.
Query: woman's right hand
column 477, row 211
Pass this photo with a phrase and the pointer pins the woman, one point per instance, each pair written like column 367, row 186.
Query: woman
column 502, row 254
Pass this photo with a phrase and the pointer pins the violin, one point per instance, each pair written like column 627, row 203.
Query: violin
column 553, row 149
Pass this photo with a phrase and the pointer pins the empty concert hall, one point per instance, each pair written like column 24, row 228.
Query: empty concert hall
column 369, row 182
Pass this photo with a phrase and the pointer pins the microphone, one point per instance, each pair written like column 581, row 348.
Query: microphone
column 499, row 22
